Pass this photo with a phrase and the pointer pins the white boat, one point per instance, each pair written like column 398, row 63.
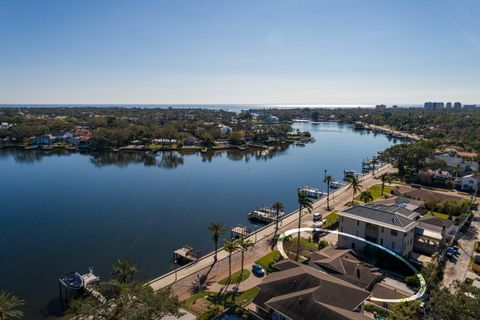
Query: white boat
column 312, row 192
column 265, row 214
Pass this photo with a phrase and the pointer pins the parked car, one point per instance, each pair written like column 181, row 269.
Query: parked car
column 317, row 224
column 317, row 216
column 258, row 270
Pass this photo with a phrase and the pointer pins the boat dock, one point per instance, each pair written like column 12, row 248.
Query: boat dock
column 71, row 285
column 185, row 254
column 239, row 231
column 312, row 192
column 265, row 215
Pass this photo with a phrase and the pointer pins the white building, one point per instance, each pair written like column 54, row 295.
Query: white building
column 391, row 226
column 471, row 182
column 224, row 129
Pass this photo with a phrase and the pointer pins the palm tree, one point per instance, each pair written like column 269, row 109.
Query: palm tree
column 216, row 228
column 366, row 196
column 243, row 244
column 386, row 178
column 355, row 185
column 374, row 164
column 305, row 203
column 124, row 270
column 328, row 180
column 230, row 246
column 8, row 306
column 277, row 206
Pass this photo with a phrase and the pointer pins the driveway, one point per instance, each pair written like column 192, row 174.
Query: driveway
column 457, row 270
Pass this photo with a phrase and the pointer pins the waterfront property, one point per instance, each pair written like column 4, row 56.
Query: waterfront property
column 138, row 202
column 390, row 226
column 301, row 292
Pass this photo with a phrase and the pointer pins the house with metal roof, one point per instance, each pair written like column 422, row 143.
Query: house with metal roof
column 391, row 226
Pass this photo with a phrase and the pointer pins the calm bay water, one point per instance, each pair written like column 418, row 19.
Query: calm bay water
column 62, row 213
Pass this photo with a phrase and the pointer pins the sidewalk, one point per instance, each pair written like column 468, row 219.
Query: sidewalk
column 183, row 279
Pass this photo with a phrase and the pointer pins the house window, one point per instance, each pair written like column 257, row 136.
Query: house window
column 382, row 229
column 393, row 232
column 342, row 218
column 358, row 223
column 381, row 241
column 393, row 245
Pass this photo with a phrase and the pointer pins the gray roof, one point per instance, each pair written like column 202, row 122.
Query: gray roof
column 435, row 221
column 390, row 215
column 305, row 293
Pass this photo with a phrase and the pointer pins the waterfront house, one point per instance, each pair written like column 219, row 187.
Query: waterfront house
column 301, row 292
column 43, row 140
column 62, row 135
column 391, row 226
column 191, row 141
column 427, row 195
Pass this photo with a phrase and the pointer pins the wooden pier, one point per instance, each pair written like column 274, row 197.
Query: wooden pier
column 185, row 254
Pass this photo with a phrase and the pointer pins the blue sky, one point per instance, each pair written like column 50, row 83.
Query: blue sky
column 258, row 51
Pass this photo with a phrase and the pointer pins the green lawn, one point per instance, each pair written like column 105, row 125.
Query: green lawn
column 331, row 218
column 438, row 214
column 236, row 277
column 271, row 257
column 376, row 191
column 190, row 301
column 304, row 242
column 246, row 297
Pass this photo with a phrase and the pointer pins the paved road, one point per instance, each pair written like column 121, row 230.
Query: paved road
column 182, row 280
column 458, row 270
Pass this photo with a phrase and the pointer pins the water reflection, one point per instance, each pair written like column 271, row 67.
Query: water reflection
column 163, row 159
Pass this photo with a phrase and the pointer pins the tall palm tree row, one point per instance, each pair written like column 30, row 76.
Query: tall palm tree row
column 9, row 305
column 124, row 270
column 243, row 245
column 230, row 246
column 385, row 178
column 328, row 180
column 355, row 185
column 277, row 206
column 304, row 202
column 216, row 228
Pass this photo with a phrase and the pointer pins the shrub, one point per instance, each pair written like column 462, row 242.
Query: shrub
column 412, row 281
column 210, row 314
column 322, row 244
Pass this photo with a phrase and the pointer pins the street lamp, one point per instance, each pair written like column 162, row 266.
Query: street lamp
column 175, row 266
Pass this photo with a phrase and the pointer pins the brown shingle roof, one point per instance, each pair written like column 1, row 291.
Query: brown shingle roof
column 317, row 292
column 345, row 265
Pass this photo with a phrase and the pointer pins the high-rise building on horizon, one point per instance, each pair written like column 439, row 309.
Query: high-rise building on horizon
column 457, row 105
column 433, row 105
column 449, row 105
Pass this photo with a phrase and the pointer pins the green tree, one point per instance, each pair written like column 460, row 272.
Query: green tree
column 328, row 180
column 366, row 196
column 124, row 270
column 230, row 246
column 355, row 186
column 133, row 301
column 304, row 202
column 216, row 228
column 277, row 206
column 9, row 305
column 243, row 245
column 405, row 311
column 385, row 178
column 462, row 304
